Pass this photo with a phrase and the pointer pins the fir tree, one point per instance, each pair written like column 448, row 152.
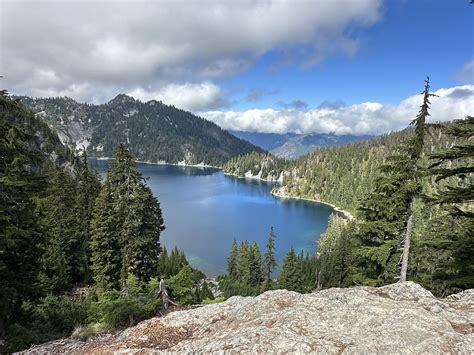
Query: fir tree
column 88, row 188
column 291, row 276
column 454, row 230
column 232, row 260
column 256, row 272
column 138, row 222
column 20, row 234
column 269, row 261
column 105, row 243
column 415, row 149
column 243, row 264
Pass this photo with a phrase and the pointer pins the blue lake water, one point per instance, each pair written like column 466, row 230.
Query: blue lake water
column 204, row 210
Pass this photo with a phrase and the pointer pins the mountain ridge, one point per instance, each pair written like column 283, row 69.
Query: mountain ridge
column 293, row 145
column 153, row 131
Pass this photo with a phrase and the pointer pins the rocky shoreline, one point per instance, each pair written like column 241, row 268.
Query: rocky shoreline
column 282, row 192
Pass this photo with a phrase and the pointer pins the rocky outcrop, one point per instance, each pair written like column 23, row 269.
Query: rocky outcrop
column 283, row 192
column 399, row 318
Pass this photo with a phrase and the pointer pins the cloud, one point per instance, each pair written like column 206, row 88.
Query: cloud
column 364, row 118
column 192, row 97
column 466, row 74
column 93, row 50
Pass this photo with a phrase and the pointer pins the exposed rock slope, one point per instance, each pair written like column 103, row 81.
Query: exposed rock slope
column 400, row 318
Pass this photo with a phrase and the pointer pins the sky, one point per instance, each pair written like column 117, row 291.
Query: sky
column 313, row 66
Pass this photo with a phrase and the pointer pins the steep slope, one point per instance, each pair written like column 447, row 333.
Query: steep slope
column 44, row 140
column 292, row 145
column 153, row 131
column 399, row 318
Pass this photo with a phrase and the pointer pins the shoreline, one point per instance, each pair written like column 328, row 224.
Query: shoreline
column 253, row 177
column 165, row 163
column 343, row 213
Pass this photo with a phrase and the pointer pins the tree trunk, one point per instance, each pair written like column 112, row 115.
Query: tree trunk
column 406, row 243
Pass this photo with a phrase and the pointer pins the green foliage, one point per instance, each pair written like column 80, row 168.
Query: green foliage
column 182, row 286
column 291, row 277
column 52, row 317
column 170, row 265
column 269, row 263
column 126, row 225
column 173, row 135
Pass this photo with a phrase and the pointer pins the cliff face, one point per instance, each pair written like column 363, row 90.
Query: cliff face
column 398, row 318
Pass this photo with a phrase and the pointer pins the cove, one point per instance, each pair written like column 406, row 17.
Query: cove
column 204, row 211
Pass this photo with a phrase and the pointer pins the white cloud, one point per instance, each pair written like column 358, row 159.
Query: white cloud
column 51, row 47
column 192, row 97
column 365, row 118
column 466, row 74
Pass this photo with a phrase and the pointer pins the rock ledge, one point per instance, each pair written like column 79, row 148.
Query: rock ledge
column 399, row 318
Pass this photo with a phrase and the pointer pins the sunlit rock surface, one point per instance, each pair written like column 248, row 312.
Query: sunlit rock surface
column 399, row 318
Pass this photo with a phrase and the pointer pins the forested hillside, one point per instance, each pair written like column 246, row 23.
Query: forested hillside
column 337, row 175
column 153, row 131
column 76, row 254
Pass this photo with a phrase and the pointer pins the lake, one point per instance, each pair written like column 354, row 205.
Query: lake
column 204, row 210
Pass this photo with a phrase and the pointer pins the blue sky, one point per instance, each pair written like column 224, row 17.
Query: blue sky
column 412, row 39
column 304, row 66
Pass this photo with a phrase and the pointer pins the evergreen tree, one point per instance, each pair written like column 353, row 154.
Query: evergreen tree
column 243, row 264
column 269, row 261
column 60, row 266
column 291, row 277
column 232, row 260
column 453, row 231
column 105, row 243
column 138, row 221
column 20, row 234
column 415, row 149
column 88, row 188
column 256, row 272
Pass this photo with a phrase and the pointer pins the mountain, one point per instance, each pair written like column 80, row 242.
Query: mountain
column 398, row 318
column 292, row 145
column 153, row 131
column 267, row 141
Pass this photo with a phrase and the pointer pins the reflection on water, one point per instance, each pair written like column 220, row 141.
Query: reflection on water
column 205, row 210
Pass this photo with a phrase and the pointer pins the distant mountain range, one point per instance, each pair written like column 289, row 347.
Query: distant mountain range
column 292, row 145
column 153, row 131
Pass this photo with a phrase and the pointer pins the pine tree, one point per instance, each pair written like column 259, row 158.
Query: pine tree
column 232, row 260
column 291, row 276
column 105, row 243
column 243, row 263
column 256, row 272
column 456, row 165
column 415, row 149
column 60, row 265
column 138, row 222
column 269, row 261
column 88, row 188
column 454, row 230
column 20, row 234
